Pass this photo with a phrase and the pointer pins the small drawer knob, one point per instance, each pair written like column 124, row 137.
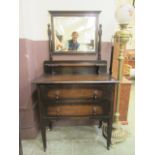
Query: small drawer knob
column 95, row 94
column 94, row 110
column 58, row 111
column 57, row 95
column 95, row 97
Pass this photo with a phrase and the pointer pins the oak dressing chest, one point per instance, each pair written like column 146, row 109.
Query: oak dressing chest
column 74, row 89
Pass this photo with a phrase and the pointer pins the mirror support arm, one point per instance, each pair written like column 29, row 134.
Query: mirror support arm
column 99, row 44
column 49, row 42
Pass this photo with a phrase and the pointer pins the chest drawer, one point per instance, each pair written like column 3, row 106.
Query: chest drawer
column 51, row 93
column 75, row 110
column 73, row 93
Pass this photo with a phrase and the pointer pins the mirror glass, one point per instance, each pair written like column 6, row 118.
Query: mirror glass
column 74, row 34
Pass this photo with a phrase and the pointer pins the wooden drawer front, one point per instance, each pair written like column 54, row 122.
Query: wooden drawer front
column 74, row 93
column 74, row 110
column 71, row 93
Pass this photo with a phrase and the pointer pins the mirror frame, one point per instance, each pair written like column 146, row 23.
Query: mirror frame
column 74, row 14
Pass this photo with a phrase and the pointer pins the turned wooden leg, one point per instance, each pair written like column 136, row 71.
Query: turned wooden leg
column 100, row 124
column 43, row 133
column 109, row 132
column 50, row 125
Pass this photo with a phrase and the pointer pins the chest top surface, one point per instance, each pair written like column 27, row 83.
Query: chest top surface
column 74, row 79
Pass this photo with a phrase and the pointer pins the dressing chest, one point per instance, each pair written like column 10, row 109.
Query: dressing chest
column 76, row 89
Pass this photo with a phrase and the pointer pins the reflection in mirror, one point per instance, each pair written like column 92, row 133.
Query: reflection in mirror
column 74, row 34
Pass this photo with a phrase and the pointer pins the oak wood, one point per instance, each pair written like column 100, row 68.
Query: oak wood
column 75, row 110
column 75, row 79
column 75, row 67
column 62, row 96
column 76, row 89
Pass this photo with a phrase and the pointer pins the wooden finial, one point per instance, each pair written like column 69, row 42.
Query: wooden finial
column 100, row 29
column 99, row 44
column 49, row 42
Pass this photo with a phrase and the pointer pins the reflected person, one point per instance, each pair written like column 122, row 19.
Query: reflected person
column 73, row 43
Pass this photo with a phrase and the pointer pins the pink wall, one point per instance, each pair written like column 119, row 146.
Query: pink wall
column 31, row 57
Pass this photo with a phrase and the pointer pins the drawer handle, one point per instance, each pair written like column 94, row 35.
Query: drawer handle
column 58, row 111
column 94, row 110
column 95, row 95
column 57, row 95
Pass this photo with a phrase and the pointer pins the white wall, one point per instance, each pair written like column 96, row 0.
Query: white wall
column 34, row 15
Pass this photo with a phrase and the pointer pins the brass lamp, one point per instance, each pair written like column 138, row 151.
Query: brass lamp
column 124, row 14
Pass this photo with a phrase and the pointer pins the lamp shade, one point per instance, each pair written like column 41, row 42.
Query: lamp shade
column 124, row 13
